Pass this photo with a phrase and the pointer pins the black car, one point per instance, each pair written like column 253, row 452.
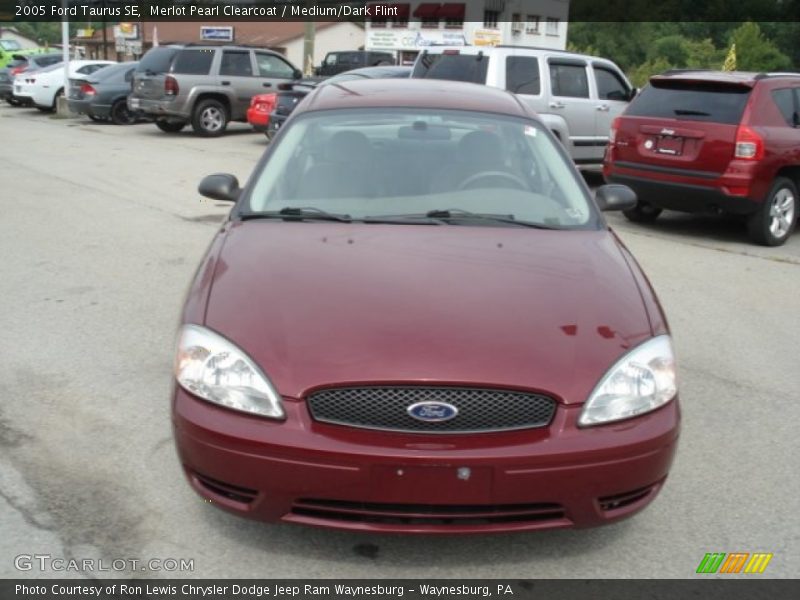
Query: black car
column 103, row 95
column 290, row 94
column 339, row 62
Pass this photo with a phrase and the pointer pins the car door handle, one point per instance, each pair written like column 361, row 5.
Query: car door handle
column 602, row 107
column 557, row 105
column 225, row 82
column 266, row 84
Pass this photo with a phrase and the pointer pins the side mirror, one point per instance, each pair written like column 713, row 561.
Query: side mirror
column 297, row 74
column 633, row 93
column 615, row 197
column 220, row 186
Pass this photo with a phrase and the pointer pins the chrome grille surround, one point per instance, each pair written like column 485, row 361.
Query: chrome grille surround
column 480, row 410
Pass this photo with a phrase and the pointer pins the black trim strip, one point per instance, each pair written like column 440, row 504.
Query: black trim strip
column 586, row 143
column 670, row 170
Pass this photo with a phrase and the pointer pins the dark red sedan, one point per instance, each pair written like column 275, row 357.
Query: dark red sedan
column 417, row 320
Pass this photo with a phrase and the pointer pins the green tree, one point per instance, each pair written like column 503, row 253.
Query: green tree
column 754, row 52
column 640, row 75
column 672, row 48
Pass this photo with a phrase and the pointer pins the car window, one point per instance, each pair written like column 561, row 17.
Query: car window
column 522, row 75
column 237, row 63
column 270, row 65
column 785, row 101
column 453, row 67
column 129, row 74
column 157, row 60
column 569, row 80
column 373, row 162
column 691, row 100
column 193, row 62
column 609, row 85
column 89, row 69
column 330, row 59
column 48, row 60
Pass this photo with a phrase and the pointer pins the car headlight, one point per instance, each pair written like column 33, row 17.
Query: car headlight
column 209, row 366
column 642, row 381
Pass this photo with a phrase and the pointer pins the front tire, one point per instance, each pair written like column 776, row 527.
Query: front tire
column 642, row 213
column 170, row 126
column 210, row 118
column 776, row 219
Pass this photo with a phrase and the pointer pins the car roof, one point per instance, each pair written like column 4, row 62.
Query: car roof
column 512, row 51
column 744, row 78
column 413, row 93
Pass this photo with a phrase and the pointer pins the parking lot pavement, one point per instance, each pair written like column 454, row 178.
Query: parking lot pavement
column 100, row 231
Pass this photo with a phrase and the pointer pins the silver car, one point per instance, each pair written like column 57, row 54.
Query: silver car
column 205, row 86
column 577, row 96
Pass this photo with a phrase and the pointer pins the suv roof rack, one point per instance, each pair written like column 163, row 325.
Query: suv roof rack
column 222, row 45
column 555, row 50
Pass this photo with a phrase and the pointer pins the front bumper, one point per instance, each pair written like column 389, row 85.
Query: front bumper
column 302, row 471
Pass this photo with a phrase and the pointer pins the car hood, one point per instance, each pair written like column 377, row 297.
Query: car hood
column 320, row 304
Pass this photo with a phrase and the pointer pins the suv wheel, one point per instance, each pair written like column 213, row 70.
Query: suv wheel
column 170, row 126
column 776, row 218
column 210, row 118
column 642, row 213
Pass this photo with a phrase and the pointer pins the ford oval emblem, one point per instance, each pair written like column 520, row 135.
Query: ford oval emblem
column 432, row 412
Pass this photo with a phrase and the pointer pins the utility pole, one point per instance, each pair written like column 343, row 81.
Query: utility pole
column 62, row 106
column 308, row 49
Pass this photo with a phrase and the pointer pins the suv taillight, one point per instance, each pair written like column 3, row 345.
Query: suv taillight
column 612, row 135
column 88, row 90
column 749, row 145
column 17, row 70
column 171, row 86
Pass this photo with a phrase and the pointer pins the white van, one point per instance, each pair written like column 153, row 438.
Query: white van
column 576, row 95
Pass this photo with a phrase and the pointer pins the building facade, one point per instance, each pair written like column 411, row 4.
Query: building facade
column 406, row 28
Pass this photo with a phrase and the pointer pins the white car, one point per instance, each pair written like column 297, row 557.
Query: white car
column 45, row 85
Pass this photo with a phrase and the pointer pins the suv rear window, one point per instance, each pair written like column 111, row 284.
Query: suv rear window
column 157, row 60
column 453, row 67
column 193, row 62
column 691, row 101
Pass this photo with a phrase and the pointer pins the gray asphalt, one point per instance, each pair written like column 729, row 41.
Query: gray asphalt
column 100, row 232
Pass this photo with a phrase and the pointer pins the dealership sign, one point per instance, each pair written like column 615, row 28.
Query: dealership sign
column 412, row 39
column 216, row 34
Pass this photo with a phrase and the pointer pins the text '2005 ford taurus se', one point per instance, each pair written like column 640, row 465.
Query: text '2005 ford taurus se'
column 416, row 320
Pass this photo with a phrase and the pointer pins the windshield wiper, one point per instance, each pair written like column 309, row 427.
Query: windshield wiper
column 690, row 113
column 457, row 214
column 297, row 213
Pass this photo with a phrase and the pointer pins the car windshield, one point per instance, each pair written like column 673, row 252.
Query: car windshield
column 421, row 164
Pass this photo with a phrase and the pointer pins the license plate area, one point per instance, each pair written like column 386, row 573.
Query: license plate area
column 668, row 144
column 460, row 484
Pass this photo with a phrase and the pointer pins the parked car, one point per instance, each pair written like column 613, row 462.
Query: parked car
column 290, row 94
column 260, row 108
column 713, row 142
column 103, row 95
column 10, row 49
column 44, row 86
column 417, row 320
column 22, row 64
column 338, row 62
column 207, row 86
column 577, row 96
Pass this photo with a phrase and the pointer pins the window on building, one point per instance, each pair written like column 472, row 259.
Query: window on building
column 552, row 26
column 428, row 15
column 401, row 18
column 490, row 18
column 453, row 15
column 532, row 24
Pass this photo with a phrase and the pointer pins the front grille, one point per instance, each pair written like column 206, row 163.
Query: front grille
column 426, row 514
column 479, row 410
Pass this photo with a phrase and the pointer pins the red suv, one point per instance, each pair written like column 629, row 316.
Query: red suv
column 713, row 142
